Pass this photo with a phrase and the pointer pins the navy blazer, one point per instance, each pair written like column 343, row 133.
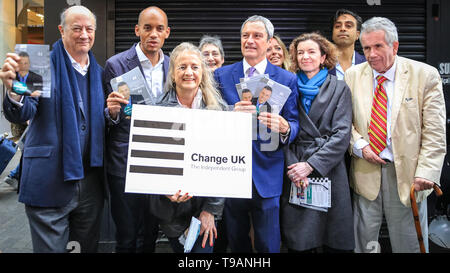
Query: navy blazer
column 268, row 166
column 358, row 59
column 118, row 134
column 42, row 179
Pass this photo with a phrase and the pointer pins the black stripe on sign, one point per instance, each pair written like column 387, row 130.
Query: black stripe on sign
column 158, row 139
column 158, row 155
column 159, row 125
column 156, row 170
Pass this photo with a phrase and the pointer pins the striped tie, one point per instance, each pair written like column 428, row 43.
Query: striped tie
column 377, row 128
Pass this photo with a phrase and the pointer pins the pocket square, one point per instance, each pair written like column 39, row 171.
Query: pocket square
column 408, row 99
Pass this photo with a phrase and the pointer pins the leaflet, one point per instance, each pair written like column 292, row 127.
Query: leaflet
column 255, row 77
column 316, row 196
column 192, row 233
column 133, row 87
column 34, row 68
column 267, row 95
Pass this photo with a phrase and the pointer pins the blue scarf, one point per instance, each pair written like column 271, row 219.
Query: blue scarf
column 309, row 88
column 68, row 113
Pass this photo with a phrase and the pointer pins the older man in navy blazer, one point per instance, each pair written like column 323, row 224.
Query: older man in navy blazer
column 130, row 211
column 268, row 163
column 61, row 181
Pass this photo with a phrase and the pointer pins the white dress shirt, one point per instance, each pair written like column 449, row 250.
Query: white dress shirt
column 260, row 68
column 154, row 75
column 389, row 87
column 340, row 71
column 77, row 66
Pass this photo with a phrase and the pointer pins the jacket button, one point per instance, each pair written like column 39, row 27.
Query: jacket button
column 83, row 127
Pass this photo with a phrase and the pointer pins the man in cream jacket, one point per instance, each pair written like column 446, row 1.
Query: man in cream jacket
column 398, row 138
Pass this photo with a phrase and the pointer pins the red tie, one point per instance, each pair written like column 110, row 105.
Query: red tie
column 377, row 128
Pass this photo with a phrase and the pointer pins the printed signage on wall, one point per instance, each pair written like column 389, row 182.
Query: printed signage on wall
column 444, row 71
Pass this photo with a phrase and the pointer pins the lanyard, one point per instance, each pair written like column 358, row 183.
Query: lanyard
column 24, row 79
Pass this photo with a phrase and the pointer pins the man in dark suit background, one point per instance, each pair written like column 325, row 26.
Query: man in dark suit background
column 267, row 164
column 130, row 211
column 346, row 26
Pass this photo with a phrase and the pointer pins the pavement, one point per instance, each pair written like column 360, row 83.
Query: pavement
column 14, row 229
column 15, row 233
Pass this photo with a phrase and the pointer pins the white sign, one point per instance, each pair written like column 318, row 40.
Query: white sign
column 200, row 152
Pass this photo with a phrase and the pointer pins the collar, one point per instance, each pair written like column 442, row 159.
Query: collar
column 197, row 102
column 338, row 65
column 83, row 70
column 390, row 74
column 260, row 67
column 143, row 58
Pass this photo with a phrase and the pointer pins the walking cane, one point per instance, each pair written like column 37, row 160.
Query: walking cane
column 415, row 212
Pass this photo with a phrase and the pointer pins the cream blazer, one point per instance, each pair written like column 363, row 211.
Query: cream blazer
column 417, row 127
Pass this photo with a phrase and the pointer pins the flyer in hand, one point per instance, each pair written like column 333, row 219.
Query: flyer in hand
column 264, row 93
column 34, row 69
column 316, row 196
column 133, row 87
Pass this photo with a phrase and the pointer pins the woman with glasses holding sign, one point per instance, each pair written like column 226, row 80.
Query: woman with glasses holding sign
column 189, row 84
column 317, row 154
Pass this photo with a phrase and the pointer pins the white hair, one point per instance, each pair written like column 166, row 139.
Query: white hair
column 208, row 85
column 81, row 9
column 381, row 23
column 267, row 24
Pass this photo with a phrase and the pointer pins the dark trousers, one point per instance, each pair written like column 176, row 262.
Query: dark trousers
column 221, row 244
column 264, row 213
column 78, row 222
column 136, row 228
column 177, row 247
column 324, row 249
